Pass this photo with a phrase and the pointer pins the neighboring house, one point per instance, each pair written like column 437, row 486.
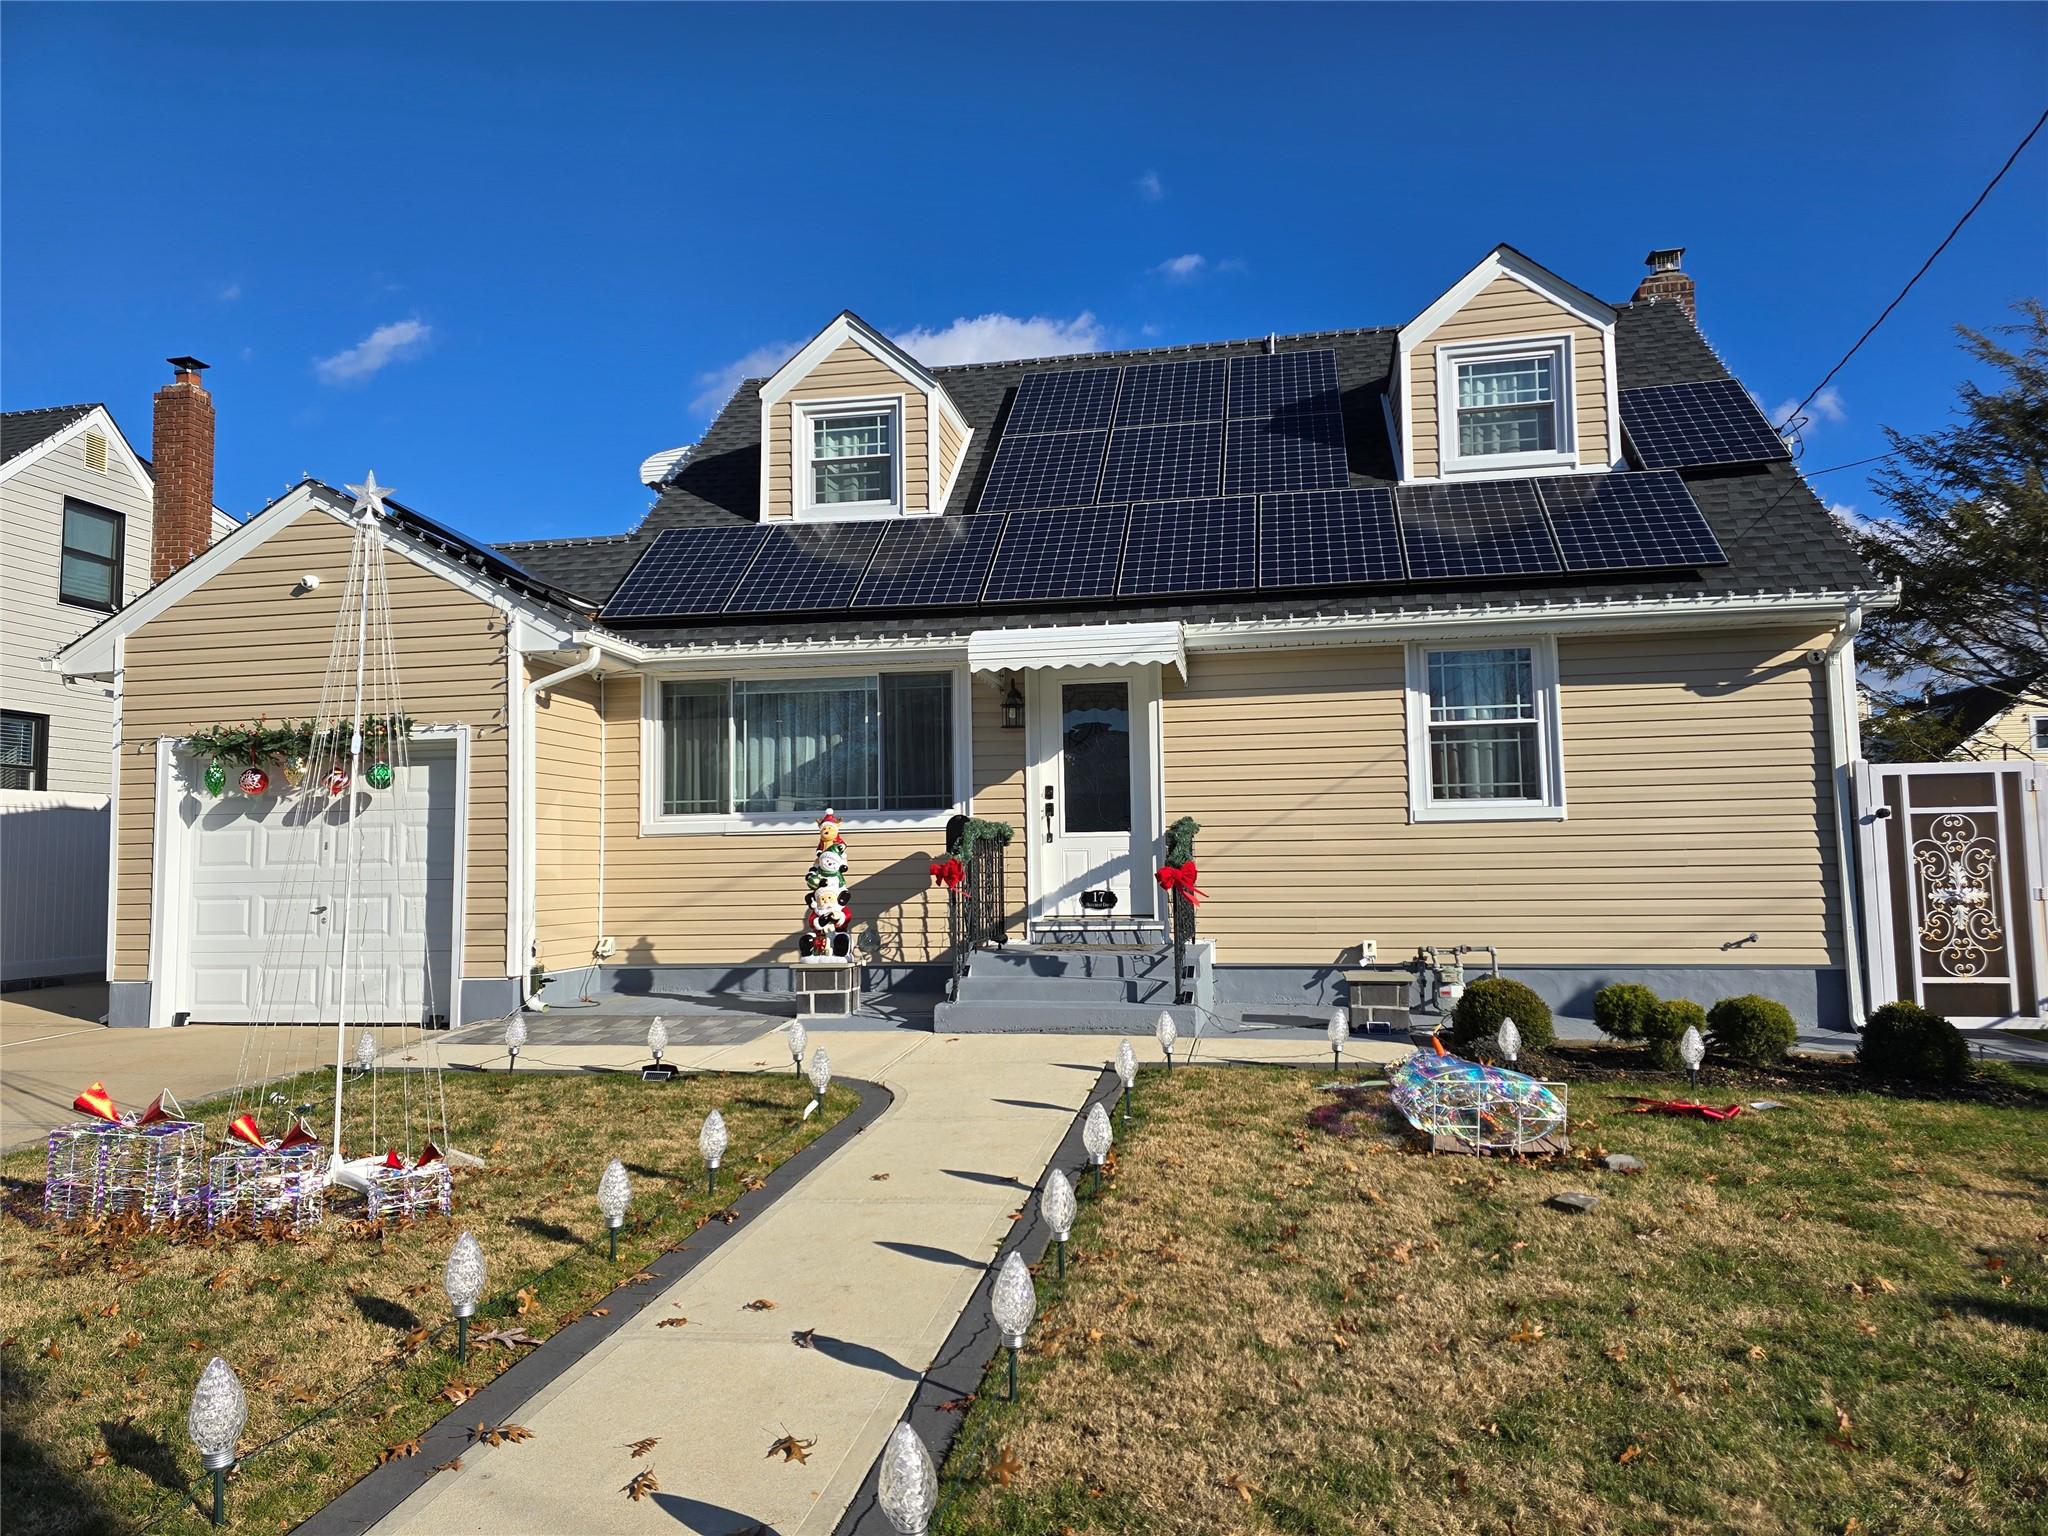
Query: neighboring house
column 85, row 525
column 1998, row 722
column 1510, row 625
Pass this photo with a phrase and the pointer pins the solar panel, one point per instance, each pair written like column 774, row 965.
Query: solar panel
column 1620, row 522
column 1060, row 470
column 1488, row 528
column 1295, row 452
column 930, row 560
column 803, row 568
column 1164, row 463
column 1328, row 538
column 1155, row 393
column 1064, row 400
column 1679, row 426
column 1210, row 545
column 685, row 570
column 1057, row 556
column 1273, row 382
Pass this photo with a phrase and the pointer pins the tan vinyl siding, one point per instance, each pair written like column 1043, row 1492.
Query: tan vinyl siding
column 999, row 790
column 850, row 372
column 2008, row 737
column 1697, row 793
column 1503, row 310
column 567, row 779
column 34, row 624
column 242, row 646
column 952, row 442
column 737, row 898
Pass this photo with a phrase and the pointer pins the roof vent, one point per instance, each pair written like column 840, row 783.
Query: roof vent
column 657, row 468
column 96, row 452
column 1665, row 261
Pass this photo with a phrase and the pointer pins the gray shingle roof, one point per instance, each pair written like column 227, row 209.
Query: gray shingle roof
column 22, row 430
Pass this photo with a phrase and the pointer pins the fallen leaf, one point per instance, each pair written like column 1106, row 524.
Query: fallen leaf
column 643, row 1484
column 805, row 1339
column 760, row 1304
column 957, row 1404
column 398, row 1452
column 414, row 1339
column 1004, row 1467
column 1616, row 1352
column 1884, row 1285
column 642, row 1447
column 1528, row 1333
column 98, row 1459
column 498, row 1434
column 1236, row 1485
column 600, row 1311
column 789, row 1448
column 1629, row 1454
column 1866, row 1328
column 672, row 1322
column 458, row 1392
column 1402, row 1253
column 877, row 1177
column 449, row 1466
column 130, row 1340
column 506, row 1336
column 111, row 1309
column 527, row 1305
column 1756, row 1351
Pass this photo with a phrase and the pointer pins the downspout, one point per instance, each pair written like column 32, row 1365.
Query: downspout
column 593, row 656
column 1844, row 749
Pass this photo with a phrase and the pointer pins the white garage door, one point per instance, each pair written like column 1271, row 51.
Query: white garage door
column 266, row 890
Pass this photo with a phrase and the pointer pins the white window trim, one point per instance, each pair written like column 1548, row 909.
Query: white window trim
column 1450, row 355
column 2035, row 743
column 654, row 822
column 1543, row 676
column 803, row 438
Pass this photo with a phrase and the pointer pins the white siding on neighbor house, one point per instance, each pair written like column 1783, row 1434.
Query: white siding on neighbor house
column 34, row 624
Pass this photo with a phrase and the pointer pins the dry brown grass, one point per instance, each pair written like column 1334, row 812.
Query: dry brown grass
column 1830, row 1318
column 105, row 1336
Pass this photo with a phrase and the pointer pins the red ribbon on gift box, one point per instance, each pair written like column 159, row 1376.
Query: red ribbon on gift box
column 1178, row 878
column 950, row 873
column 98, row 1102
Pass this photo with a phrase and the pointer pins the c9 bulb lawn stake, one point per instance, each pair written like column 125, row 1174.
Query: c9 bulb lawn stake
column 463, row 1280
column 1166, row 1032
column 657, row 1039
column 1509, row 1038
column 1056, row 1205
column 214, row 1421
column 711, row 1144
column 796, row 1047
column 907, row 1487
column 1096, row 1137
column 614, row 1194
column 1013, row 1303
column 1340, row 1028
column 1127, row 1074
column 1692, row 1050
column 515, row 1038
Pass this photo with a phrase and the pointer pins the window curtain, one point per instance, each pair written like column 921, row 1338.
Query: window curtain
column 1506, row 407
column 807, row 744
column 1482, row 726
column 850, row 459
column 917, row 740
column 693, row 728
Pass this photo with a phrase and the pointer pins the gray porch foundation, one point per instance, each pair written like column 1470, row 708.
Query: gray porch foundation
column 912, row 983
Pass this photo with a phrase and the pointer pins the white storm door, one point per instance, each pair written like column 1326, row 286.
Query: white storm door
column 267, row 877
column 1092, row 810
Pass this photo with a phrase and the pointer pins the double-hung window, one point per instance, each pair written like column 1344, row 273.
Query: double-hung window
column 24, row 750
column 89, row 568
column 756, row 751
column 1482, row 733
column 1506, row 406
column 851, row 458
column 2041, row 733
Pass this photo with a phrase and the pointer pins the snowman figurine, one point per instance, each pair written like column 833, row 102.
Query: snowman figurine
column 826, row 911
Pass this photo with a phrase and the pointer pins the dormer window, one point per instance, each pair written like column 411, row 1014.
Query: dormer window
column 1506, row 406
column 852, row 459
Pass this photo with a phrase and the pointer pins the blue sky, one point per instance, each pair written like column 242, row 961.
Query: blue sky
column 501, row 253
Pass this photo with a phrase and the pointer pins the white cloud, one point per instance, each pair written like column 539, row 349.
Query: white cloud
column 230, row 292
column 996, row 338
column 1182, row 269
column 716, row 387
column 1824, row 407
column 1150, row 187
column 384, row 346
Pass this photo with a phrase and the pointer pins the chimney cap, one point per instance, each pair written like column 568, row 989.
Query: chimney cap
column 1665, row 260
column 186, row 364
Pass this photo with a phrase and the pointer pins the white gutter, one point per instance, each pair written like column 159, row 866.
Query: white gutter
column 1845, row 747
column 527, row 742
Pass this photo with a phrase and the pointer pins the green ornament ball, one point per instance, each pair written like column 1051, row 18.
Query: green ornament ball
column 380, row 775
column 216, row 778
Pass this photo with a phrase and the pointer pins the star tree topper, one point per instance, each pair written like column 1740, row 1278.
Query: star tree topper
column 370, row 496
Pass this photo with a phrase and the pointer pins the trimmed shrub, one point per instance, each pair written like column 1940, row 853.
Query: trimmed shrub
column 1493, row 998
column 1622, row 1011
column 1666, row 1026
column 1751, row 1029
column 1904, row 1040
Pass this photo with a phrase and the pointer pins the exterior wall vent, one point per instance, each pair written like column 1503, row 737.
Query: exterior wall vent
column 96, row 452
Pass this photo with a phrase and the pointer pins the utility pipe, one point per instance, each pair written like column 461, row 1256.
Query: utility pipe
column 1844, row 749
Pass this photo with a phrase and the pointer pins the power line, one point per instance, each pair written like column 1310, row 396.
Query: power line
column 1793, row 414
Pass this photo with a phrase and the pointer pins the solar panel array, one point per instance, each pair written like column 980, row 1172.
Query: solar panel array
column 1688, row 426
column 1483, row 530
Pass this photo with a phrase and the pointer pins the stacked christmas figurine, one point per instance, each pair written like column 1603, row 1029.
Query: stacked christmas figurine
column 826, row 915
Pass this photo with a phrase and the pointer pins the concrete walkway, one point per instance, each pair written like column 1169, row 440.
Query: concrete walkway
column 878, row 1251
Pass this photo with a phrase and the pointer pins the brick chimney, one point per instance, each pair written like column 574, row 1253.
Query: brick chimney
column 1667, row 282
column 181, row 443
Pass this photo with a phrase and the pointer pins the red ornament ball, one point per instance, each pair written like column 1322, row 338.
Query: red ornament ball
column 337, row 781
column 254, row 781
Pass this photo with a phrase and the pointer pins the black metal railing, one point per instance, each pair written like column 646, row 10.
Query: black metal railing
column 975, row 904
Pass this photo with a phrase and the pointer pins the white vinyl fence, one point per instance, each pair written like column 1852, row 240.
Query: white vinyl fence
column 53, row 885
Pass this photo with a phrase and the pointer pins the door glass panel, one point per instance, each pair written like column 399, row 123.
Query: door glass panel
column 1095, row 756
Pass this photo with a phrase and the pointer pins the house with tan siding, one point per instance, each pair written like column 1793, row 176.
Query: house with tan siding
column 1511, row 626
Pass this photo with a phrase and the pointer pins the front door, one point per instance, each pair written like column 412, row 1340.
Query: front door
column 1093, row 806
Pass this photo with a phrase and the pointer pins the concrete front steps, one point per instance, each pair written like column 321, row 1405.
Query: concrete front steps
column 1062, row 989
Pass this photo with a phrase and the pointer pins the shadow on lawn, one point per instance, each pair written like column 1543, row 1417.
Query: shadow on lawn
column 385, row 1314
column 1998, row 1309
column 141, row 1451
column 552, row 1231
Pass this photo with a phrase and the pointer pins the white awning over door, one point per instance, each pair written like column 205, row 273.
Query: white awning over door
column 1078, row 645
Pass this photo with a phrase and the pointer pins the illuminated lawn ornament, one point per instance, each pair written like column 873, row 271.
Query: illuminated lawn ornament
column 1486, row 1108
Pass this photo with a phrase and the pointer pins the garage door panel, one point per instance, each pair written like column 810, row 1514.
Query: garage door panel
column 224, row 917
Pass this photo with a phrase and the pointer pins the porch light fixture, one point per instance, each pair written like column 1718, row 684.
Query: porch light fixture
column 821, row 1073
column 1340, row 1030
column 614, row 1194
column 711, row 1144
column 796, row 1046
column 1013, row 703
column 1692, row 1050
column 515, row 1039
column 907, row 1487
column 366, row 1051
column 463, row 1280
column 1056, row 1205
column 1127, row 1074
column 1166, row 1032
column 214, row 1421
column 1096, row 1137
column 1509, row 1039
column 657, row 1039
column 1013, row 1303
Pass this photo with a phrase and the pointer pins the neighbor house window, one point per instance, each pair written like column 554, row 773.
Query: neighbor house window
column 24, row 750
column 89, row 569
column 874, row 742
column 2041, row 733
column 850, row 458
column 1483, row 732
column 1506, row 406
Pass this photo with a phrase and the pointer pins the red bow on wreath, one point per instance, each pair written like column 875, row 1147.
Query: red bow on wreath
column 950, row 873
column 1181, row 878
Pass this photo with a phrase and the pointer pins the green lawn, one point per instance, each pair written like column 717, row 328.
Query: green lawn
column 1832, row 1318
column 342, row 1339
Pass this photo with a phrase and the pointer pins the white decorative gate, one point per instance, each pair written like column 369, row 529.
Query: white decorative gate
column 1953, row 856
